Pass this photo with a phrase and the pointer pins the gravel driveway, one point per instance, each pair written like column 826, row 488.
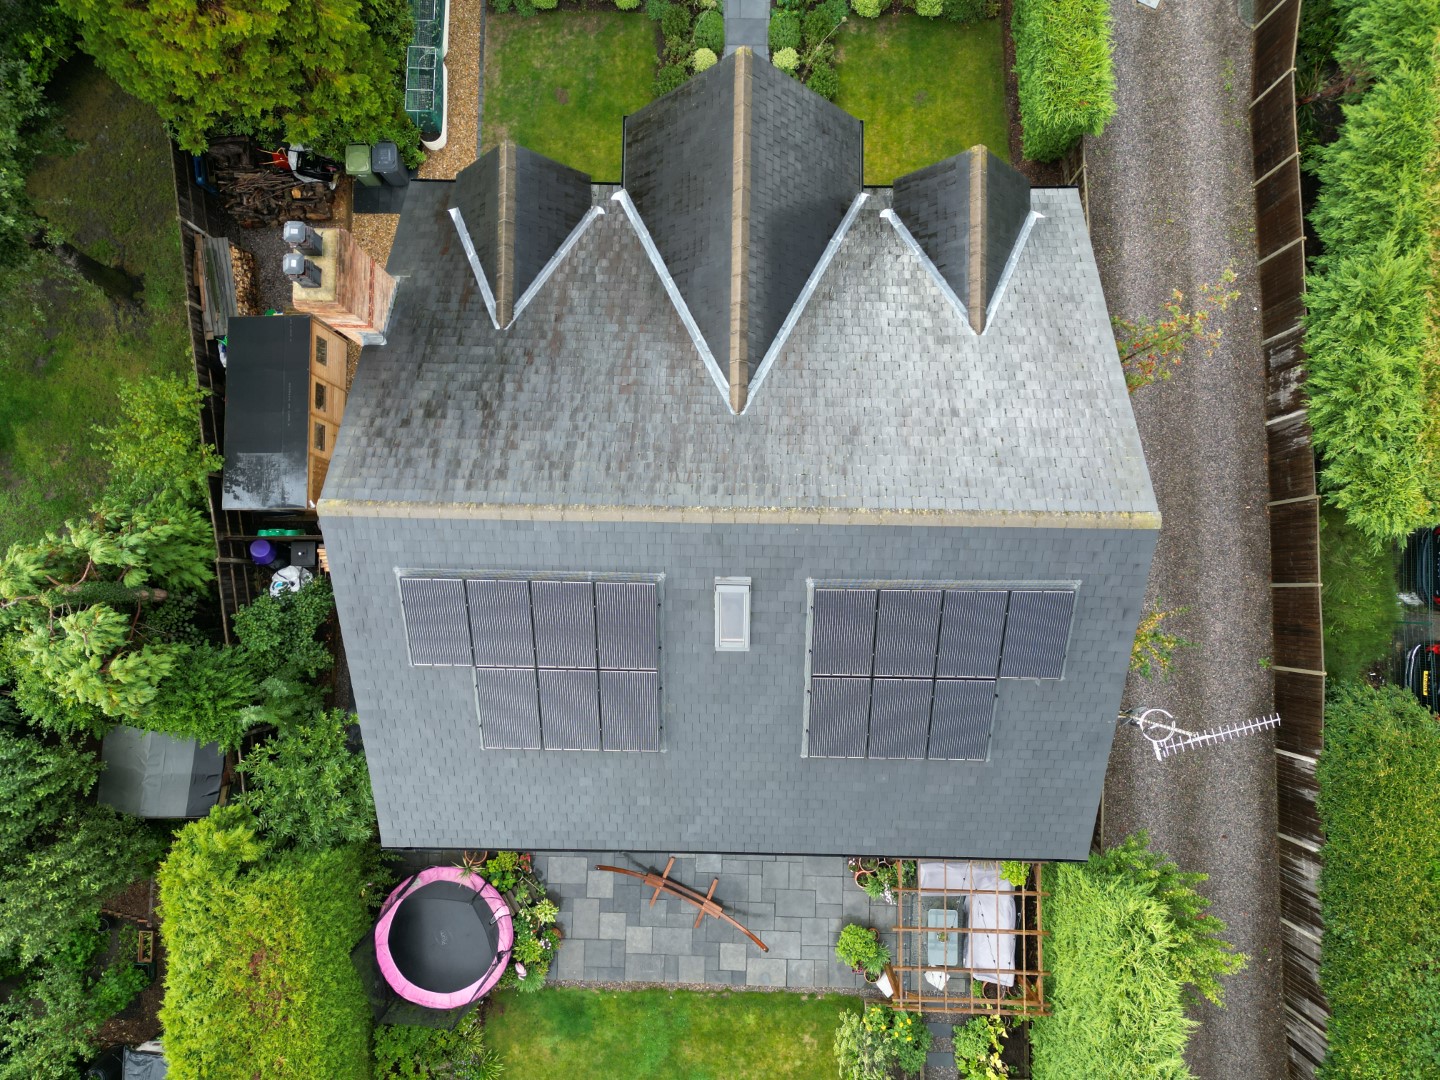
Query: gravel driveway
column 1171, row 206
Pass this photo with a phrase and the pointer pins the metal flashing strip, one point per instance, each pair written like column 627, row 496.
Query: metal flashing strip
column 479, row 271
column 555, row 260
column 718, row 377
column 1010, row 265
column 798, row 308
column 930, row 268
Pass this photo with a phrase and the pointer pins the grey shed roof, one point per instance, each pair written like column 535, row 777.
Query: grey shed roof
column 158, row 776
column 267, row 403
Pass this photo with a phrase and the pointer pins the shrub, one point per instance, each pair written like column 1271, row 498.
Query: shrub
column 259, row 981
column 669, row 77
column 930, row 9
column 154, row 448
column 965, row 11
column 702, row 60
column 825, row 81
column 710, row 32
column 1153, row 651
column 815, row 26
column 53, row 1019
column 310, row 788
column 627, row 5
column 1065, row 78
column 1357, row 599
column 278, row 634
column 872, row 1046
column 422, row 1053
column 675, row 24
column 205, row 697
column 1129, row 947
column 978, row 1045
column 867, row 9
column 787, row 60
column 860, row 948
column 784, row 32
column 545, row 5
column 1379, row 802
column 655, row 9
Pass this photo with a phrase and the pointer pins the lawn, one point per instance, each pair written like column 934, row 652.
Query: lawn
column 925, row 88
column 1357, row 598
column 63, row 346
column 567, row 1034
column 560, row 82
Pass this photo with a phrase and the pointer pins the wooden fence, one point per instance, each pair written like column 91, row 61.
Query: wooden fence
column 1294, row 525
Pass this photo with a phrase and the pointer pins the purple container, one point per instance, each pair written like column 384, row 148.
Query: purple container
column 262, row 552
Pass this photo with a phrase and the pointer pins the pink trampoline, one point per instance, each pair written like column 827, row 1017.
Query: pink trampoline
column 444, row 938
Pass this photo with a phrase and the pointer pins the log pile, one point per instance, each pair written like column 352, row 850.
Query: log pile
column 265, row 197
column 247, row 282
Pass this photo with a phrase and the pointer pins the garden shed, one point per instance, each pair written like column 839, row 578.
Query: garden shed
column 153, row 775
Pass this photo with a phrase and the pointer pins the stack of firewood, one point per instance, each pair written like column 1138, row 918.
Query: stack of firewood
column 258, row 198
column 247, row 282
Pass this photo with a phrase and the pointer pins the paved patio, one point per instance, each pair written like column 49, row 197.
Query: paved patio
column 795, row 904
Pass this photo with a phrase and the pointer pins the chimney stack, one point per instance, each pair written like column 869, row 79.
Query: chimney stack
column 354, row 294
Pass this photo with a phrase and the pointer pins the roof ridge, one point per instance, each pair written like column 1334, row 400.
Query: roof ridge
column 740, row 177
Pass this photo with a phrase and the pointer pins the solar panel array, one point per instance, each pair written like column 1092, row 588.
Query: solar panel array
column 560, row 664
column 912, row 672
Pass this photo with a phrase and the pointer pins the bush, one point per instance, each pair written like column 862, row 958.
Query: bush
column 867, row 9
column 675, row 24
column 655, row 9
column 710, row 32
column 1063, row 67
column 978, row 1044
column 787, row 60
column 545, row 5
column 53, row 1019
column 311, row 790
column 1129, row 948
column 422, row 1053
column 816, row 25
column 259, row 981
column 825, row 81
column 154, row 449
column 872, row 1046
column 278, row 634
column 929, row 9
column 784, row 31
column 627, row 5
column 702, row 60
column 1379, row 802
column 670, row 77
column 860, row 948
column 965, row 11
column 205, row 697
column 1358, row 598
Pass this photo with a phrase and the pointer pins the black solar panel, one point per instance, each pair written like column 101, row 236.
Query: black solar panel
column 839, row 709
column 1036, row 631
column 569, row 710
column 906, row 631
column 842, row 632
column 625, row 617
column 564, row 623
column 629, row 710
column 961, row 717
column 970, row 633
column 899, row 718
column 500, row 623
column 509, row 709
column 435, row 621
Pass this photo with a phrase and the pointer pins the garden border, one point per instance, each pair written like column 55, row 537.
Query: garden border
column 1294, row 526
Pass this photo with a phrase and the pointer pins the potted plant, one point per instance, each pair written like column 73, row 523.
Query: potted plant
column 860, row 947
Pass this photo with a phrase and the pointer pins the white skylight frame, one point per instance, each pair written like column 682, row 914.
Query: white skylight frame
column 728, row 592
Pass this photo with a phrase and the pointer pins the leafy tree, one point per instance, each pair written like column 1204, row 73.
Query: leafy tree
column 52, row 1020
column 154, row 448
column 311, row 789
column 59, row 856
column 323, row 74
column 1150, row 350
column 279, row 633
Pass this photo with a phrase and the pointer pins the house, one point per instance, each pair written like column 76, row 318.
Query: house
column 740, row 508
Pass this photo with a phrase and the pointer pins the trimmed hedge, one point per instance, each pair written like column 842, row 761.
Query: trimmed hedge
column 1129, row 947
column 1379, row 802
column 1065, row 78
column 259, row 982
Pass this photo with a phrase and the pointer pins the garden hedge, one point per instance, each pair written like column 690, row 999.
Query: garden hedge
column 1370, row 331
column 1065, row 77
column 1129, row 945
column 1379, row 802
column 259, row 982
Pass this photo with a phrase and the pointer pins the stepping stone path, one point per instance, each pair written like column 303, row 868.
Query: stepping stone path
column 747, row 22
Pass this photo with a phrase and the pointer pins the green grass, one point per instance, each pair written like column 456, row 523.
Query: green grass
column 925, row 88
column 559, row 84
column 1357, row 599
column 63, row 347
column 568, row 1034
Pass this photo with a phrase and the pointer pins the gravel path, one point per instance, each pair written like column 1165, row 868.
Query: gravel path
column 1171, row 206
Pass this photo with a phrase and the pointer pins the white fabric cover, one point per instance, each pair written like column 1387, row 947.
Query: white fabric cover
column 991, row 956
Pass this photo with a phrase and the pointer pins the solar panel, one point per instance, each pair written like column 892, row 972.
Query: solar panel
column 435, row 621
column 899, row 718
column 629, row 710
column 839, row 709
column 500, row 623
column 961, row 717
column 842, row 632
column 906, row 631
column 509, row 709
column 1035, row 634
column 569, row 710
column 971, row 630
column 564, row 623
column 625, row 618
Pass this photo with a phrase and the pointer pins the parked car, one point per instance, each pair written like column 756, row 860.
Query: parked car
column 1418, row 569
column 1422, row 673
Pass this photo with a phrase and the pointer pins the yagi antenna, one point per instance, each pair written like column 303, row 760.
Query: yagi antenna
column 1166, row 739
